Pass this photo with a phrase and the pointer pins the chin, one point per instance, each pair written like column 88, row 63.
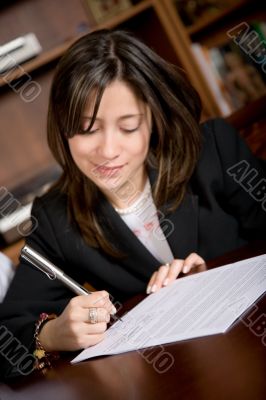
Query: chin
column 111, row 184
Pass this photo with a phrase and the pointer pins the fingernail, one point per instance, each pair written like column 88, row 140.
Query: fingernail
column 154, row 288
column 113, row 310
column 148, row 290
column 185, row 269
column 165, row 282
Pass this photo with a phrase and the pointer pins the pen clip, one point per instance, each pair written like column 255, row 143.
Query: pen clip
column 50, row 275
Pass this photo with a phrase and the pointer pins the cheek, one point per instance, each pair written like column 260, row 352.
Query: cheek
column 140, row 146
column 78, row 147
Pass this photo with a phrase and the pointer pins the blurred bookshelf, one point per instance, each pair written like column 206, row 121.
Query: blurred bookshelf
column 222, row 59
column 173, row 28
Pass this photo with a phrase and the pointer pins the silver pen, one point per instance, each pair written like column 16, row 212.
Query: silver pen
column 53, row 272
column 49, row 269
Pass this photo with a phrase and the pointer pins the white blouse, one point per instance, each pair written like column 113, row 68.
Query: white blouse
column 142, row 218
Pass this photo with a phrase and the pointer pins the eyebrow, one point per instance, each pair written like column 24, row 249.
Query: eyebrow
column 120, row 118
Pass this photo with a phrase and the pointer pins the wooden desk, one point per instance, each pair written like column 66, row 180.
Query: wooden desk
column 227, row 366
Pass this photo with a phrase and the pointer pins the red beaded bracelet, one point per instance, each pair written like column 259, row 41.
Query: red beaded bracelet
column 43, row 358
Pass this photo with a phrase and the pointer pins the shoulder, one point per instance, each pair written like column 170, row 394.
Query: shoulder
column 50, row 225
column 223, row 148
column 218, row 130
column 224, row 141
column 52, row 204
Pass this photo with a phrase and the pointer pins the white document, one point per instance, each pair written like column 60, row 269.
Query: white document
column 198, row 305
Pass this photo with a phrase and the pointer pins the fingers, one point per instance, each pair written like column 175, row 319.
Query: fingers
column 174, row 271
column 90, row 340
column 102, row 315
column 157, row 277
column 94, row 309
column 86, row 328
column 194, row 263
column 82, row 323
column 97, row 299
column 167, row 273
column 94, row 329
column 86, row 340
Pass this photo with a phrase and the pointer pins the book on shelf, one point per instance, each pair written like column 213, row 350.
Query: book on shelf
column 260, row 28
column 234, row 72
column 103, row 10
column 212, row 79
column 191, row 11
column 18, row 51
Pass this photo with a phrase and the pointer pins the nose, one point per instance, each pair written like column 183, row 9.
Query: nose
column 109, row 146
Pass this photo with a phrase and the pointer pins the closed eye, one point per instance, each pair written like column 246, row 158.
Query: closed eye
column 129, row 130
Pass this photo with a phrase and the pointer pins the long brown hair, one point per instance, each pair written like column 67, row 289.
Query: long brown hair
column 84, row 71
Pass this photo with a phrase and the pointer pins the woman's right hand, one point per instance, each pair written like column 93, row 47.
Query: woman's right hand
column 72, row 330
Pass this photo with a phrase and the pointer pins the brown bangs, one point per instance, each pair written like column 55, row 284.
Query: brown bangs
column 77, row 104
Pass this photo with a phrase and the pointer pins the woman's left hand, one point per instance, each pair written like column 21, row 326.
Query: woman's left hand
column 169, row 272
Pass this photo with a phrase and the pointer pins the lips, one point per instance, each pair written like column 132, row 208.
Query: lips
column 105, row 171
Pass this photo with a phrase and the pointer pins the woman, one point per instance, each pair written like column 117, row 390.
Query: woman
column 146, row 193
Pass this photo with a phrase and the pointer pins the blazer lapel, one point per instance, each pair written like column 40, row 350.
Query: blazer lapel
column 139, row 260
column 181, row 227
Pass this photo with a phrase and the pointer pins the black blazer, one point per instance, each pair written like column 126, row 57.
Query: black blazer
column 217, row 215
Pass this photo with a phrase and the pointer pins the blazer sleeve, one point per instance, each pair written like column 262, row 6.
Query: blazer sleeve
column 243, row 180
column 30, row 294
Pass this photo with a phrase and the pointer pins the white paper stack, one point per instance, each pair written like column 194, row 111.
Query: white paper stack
column 198, row 305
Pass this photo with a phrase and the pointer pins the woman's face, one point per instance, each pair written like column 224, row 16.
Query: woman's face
column 113, row 152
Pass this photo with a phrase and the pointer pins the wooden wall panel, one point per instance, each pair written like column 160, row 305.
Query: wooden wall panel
column 23, row 148
column 53, row 21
